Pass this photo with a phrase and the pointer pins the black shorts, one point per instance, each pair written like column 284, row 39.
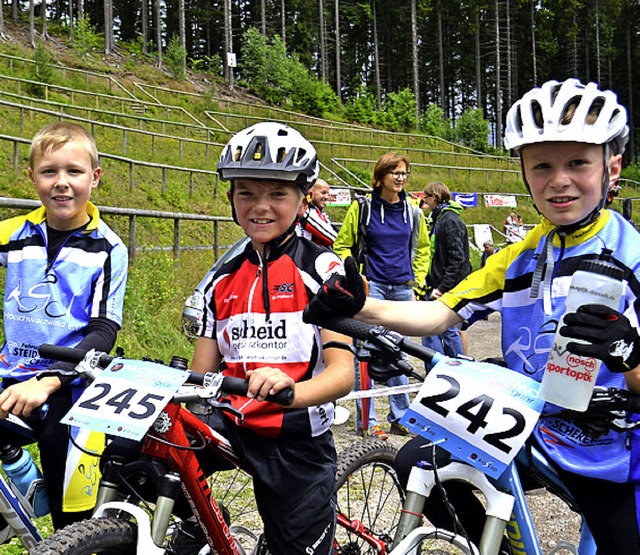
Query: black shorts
column 294, row 485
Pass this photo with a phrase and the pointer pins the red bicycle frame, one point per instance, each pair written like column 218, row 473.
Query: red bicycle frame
column 166, row 446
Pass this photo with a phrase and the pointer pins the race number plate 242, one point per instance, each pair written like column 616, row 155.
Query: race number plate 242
column 479, row 412
column 126, row 398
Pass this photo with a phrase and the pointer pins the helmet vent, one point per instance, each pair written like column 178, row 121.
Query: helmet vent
column 301, row 154
column 258, row 151
column 282, row 152
column 536, row 111
column 569, row 110
column 237, row 155
column 595, row 109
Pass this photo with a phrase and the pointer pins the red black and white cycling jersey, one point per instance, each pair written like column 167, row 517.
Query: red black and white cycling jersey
column 316, row 226
column 254, row 311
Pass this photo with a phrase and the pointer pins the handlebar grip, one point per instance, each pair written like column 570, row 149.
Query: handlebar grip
column 63, row 354
column 238, row 386
column 363, row 331
column 70, row 354
column 196, row 378
column 347, row 326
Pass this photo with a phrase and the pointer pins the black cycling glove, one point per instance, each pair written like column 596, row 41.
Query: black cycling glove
column 611, row 337
column 340, row 295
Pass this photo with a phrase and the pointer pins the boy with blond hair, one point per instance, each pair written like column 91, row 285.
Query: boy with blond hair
column 570, row 138
column 66, row 273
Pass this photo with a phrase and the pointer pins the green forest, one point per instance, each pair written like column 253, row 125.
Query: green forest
column 367, row 60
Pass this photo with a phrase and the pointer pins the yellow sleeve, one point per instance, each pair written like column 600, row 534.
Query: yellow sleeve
column 348, row 234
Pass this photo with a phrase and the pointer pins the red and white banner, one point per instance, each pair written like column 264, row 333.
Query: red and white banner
column 500, row 200
column 339, row 197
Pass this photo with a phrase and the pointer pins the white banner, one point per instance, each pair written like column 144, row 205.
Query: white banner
column 500, row 200
column 339, row 197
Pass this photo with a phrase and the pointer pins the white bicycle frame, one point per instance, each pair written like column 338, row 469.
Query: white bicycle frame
column 506, row 510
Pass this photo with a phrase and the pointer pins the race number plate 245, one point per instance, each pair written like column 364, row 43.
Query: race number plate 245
column 126, row 398
column 479, row 412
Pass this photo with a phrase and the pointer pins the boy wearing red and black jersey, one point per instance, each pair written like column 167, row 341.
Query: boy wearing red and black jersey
column 253, row 320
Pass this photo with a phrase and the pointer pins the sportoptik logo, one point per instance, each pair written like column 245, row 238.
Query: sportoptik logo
column 581, row 369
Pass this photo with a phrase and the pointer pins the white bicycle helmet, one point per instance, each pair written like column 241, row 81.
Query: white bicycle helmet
column 553, row 101
column 270, row 150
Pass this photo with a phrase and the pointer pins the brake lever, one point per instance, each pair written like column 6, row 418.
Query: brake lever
column 365, row 352
column 58, row 373
column 225, row 406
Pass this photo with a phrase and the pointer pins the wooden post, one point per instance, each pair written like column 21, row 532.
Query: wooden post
column 176, row 239
column 132, row 238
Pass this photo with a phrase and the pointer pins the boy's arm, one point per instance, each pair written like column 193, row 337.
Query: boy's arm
column 412, row 318
column 345, row 295
column 335, row 381
column 22, row 398
column 206, row 357
column 101, row 335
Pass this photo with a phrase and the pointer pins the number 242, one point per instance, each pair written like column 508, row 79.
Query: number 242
column 477, row 419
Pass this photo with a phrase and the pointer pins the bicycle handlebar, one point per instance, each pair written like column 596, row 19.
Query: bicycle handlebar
column 380, row 336
column 70, row 354
column 230, row 385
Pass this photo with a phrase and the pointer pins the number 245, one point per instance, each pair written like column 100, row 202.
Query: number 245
column 121, row 401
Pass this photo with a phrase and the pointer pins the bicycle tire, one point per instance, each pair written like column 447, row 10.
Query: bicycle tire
column 99, row 536
column 233, row 491
column 368, row 490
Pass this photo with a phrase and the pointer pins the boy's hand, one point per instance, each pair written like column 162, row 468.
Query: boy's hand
column 267, row 381
column 612, row 339
column 23, row 398
column 340, row 295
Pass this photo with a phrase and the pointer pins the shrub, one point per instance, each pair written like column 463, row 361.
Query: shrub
column 434, row 123
column 176, row 57
column 472, row 130
column 42, row 70
column 362, row 107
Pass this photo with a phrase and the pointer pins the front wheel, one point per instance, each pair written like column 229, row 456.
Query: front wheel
column 369, row 493
column 98, row 536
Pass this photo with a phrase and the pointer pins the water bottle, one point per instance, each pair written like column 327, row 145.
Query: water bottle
column 569, row 379
column 25, row 477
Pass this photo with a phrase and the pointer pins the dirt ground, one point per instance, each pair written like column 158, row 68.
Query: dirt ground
column 553, row 519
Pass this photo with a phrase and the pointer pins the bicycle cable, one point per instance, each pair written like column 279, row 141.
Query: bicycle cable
column 458, row 528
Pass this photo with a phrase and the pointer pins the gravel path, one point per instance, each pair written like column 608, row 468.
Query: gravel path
column 553, row 519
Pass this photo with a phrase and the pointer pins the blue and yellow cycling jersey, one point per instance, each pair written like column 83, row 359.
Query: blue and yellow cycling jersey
column 529, row 325
column 52, row 302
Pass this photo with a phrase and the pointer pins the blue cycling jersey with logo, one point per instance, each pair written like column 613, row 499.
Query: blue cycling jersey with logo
column 529, row 326
column 53, row 302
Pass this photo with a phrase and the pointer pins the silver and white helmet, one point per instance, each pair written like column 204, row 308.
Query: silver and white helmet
column 269, row 150
column 553, row 101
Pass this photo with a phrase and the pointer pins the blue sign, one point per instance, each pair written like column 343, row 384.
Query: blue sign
column 467, row 200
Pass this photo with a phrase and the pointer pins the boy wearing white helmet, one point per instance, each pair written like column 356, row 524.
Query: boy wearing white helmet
column 253, row 320
column 570, row 138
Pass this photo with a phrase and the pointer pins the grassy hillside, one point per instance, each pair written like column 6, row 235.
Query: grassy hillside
column 138, row 112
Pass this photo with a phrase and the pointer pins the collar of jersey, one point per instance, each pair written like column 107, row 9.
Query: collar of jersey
column 580, row 235
column 39, row 215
